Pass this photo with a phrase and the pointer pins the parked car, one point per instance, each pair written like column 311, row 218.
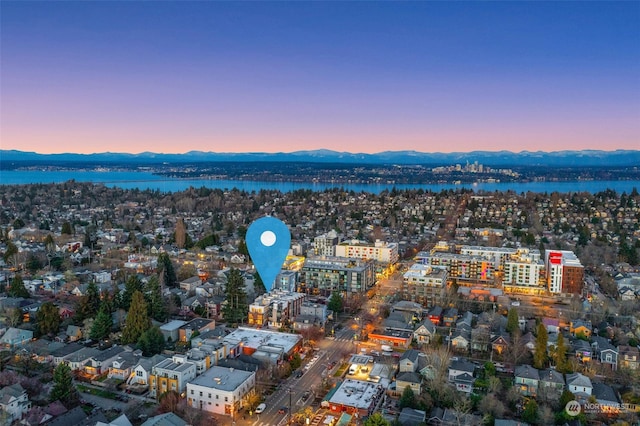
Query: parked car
column 282, row 410
column 260, row 408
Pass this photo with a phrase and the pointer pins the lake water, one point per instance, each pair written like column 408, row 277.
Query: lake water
column 146, row 180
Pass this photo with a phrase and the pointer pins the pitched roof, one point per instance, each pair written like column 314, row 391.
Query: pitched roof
column 527, row 372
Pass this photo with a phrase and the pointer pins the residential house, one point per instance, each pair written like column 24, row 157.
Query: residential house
column 450, row 317
column 552, row 324
column 122, row 366
column 461, row 375
column 500, row 343
column 140, row 376
column 526, row 380
column 194, row 327
column 99, row 363
column 166, row 419
column 409, row 361
column 190, row 284
column 480, row 338
column 74, row 333
column 425, row 332
column 582, row 350
column 435, row 315
column 16, row 338
column 628, row 357
column 579, row 385
column 461, row 340
column 411, row 379
column 605, row 352
column 64, row 351
column 607, row 399
column 446, row 417
column 551, row 384
column 221, row 390
column 529, row 341
column 411, row 416
column 580, row 327
column 14, row 401
column 77, row 360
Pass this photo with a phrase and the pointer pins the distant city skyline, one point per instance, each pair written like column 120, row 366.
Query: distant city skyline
column 173, row 77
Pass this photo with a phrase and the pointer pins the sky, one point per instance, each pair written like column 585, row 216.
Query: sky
column 368, row 77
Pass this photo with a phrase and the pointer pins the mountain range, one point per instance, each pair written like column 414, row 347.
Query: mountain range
column 583, row 158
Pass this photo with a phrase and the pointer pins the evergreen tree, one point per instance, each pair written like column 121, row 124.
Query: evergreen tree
column 151, row 342
column 93, row 298
column 376, row 419
column 63, row 389
column 48, row 319
column 66, row 228
column 335, row 303
column 235, row 307
column 540, row 353
column 166, row 270
column 137, row 319
column 155, row 302
column 512, row 320
column 258, row 285
column 530, row 413
column 10, row 253
column 102, row 324
column 132, row 285
column 408, row 398
column 17, row 288
column 562, row 364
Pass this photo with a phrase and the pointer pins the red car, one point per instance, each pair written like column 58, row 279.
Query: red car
column 282, row 410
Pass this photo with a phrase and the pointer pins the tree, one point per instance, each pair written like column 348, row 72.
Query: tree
column 66, row 228
column 168, row 402
column 258, row 285
column 93, row 297
column 235, row 306
column 561, row 355
column 512, row 320
column 102, row 325
column 155, row 302
column 48, row 318
column 33, row 263
column 15, row 317
column 137, row 319
column 540, row 353
column 180, row 233
column 10, row 253
column 151, row 342
column 132, row 285
column 63, row 389
column 17, row 288
column 530, row 413
column 166, row 270
column 408, row 398
column 376, row 419
column 335, row 303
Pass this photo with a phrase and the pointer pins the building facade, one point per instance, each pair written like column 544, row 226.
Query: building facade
column 424, row 284
column 325, row 275
column 221, row 390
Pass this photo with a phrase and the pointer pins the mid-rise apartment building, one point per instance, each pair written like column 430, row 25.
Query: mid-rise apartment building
column 462, row 269
column 325, row 244
column 424, row 284
column 380, row 251
column 275, row 309
column 325, row 275
column 565, row 273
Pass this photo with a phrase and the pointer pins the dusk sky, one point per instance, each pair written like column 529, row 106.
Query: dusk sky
column 367, row 77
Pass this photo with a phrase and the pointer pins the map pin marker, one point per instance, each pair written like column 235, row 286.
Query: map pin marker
column 268, row 240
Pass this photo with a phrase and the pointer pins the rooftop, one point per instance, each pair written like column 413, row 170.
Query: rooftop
column 222, row 378
column 356, row 393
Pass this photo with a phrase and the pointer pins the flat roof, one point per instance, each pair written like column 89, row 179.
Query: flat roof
column 172, row 325
column 254, row 338
column 222, row 378
column 356, row 393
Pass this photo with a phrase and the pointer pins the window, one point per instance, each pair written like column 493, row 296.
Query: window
column 191, row 391
column 226, row 398
column 200, row 393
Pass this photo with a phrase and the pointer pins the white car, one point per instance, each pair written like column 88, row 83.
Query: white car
column 260, row 408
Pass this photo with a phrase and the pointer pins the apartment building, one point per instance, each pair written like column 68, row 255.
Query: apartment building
column 462, row 269
column 380, row 251
column 424, row 284
column 275, row 309
column 171, row 375
column 221, row 390
column 325, row 244
column 565, row 273
column 325, row 275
